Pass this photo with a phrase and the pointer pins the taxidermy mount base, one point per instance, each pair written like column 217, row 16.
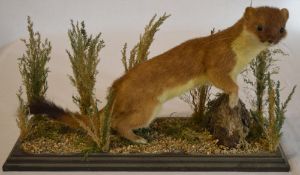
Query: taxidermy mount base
column 266, row 162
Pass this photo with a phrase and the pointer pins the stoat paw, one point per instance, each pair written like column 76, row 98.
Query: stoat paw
column 141, row 141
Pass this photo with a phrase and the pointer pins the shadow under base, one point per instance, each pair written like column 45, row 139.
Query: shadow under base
column 268, row 162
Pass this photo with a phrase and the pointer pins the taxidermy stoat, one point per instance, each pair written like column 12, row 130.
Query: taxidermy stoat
column 215, row 59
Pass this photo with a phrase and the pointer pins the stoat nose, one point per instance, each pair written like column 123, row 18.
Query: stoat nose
column 270, row 41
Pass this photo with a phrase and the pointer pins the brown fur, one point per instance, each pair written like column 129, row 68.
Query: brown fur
column 212, row 57
column 215, row 59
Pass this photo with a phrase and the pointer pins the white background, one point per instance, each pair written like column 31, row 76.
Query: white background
column 122, row 21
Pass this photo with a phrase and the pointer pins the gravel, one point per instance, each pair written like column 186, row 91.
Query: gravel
column 165, row 135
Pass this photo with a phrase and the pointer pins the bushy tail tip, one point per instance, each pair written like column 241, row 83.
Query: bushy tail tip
column 47, row 108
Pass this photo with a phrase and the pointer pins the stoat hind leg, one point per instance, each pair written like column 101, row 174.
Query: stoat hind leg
column 132, row 119
column 127, row 132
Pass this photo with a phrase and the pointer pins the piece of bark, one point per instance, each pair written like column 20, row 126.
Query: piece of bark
column 229, row 126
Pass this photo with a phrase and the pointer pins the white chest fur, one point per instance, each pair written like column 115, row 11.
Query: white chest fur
column 178, row 90
column 246, row 47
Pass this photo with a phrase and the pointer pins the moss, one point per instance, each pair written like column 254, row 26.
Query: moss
column 41, row 126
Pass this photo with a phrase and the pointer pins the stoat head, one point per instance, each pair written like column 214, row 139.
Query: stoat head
column 267, row 23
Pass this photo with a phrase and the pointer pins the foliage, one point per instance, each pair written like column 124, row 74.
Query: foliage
column 139, row 53
column 32, row 65
column 260, row 67
column 105, row 122
column 84, row 60
column 276, row 112
column 98, row 130
column 266, row 124
column 90, row 128
column 198, row 98
column 22, row 119
column 272, row 130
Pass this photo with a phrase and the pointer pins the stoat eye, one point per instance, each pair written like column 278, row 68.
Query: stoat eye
column 282, row 29
column 259, row 27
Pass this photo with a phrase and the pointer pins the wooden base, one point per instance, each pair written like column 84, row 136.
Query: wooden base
column 20, row 161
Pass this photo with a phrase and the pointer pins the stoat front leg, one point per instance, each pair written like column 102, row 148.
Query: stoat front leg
column 233, row 100
column 234, row 97
column 221, row 79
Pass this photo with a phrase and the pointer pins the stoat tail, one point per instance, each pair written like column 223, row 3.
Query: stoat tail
column 52, row 111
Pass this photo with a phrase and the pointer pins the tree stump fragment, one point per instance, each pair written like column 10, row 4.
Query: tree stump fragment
column 229, row 126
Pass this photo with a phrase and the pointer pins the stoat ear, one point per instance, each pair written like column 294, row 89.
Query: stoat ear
column 285, row 13
column 249, row 12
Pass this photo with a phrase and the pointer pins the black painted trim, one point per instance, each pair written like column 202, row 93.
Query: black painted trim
column 267, row 162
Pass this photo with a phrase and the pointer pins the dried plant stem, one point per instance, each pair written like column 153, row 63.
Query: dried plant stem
column 260, row 67
column 22, row 119
column 203, row 99
column 32, row 65
column 89, row 131
column 260, row 86
column 106, row 121
column 198, row 98
column 139, row 53
column 84, row 60
column 271, row 132
column 267, row 124
column 34, row 73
